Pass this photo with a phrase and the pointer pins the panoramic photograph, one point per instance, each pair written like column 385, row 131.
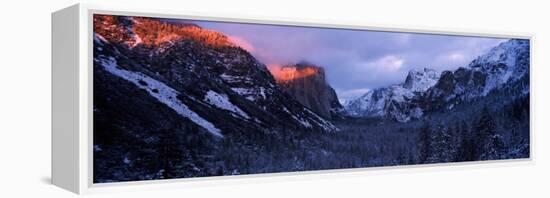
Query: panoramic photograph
column 178, row 98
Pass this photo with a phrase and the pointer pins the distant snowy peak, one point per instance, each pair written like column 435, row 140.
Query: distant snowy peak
column 428, row 90
column 391, row 101
column 421, row 80
column 509, row 61
column 505, row 53
column 505, row 63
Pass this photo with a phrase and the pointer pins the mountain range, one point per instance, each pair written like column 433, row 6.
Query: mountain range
column 175, row 100
column 427, row 90
column 199, row 74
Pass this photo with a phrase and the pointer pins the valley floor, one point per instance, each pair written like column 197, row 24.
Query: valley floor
column 500, row 133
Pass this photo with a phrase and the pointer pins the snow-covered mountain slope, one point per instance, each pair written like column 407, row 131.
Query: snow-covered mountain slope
column 216, row 85
column 427, row 90
column 501, row 66
column 160, row 91
column 173, row 100
column 394, row 101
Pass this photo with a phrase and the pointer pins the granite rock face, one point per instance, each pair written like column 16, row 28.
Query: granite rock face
column 307, row 84
column 504, row 66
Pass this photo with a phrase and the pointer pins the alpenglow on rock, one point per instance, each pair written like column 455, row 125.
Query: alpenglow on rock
column 167, row 95
column 307, row 83
column 212, row 84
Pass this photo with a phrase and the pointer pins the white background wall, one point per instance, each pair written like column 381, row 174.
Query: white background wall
column 25, row 99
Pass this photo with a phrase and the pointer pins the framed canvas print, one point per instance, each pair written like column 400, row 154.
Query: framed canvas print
column 145, row 97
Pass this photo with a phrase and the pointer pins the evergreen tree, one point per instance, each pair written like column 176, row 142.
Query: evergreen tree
column 467, row 147
column 484, row 134
column 495, row 148
column 169, row 153
column 441, row 145
column 425, row 142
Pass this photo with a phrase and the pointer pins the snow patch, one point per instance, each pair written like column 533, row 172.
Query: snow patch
column 248, row 93
column 97, row 148
column 126, row 160
column 302, row 121
column 137, row 40
column 222, row 102
column 99, row 39
column 322, row 122
column 162, row 92
column 242, row 91
column 234, row 79
column 286, row 110
column 251, row 94
column 262, row 93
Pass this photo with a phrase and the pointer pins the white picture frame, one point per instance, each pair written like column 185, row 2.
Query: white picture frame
column 72, row 100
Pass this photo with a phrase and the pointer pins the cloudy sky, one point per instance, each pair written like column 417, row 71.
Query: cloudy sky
column 355, row 61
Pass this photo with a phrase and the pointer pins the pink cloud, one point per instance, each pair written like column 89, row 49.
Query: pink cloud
column 241, row 42
column 389, row 63
column 261, row 54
